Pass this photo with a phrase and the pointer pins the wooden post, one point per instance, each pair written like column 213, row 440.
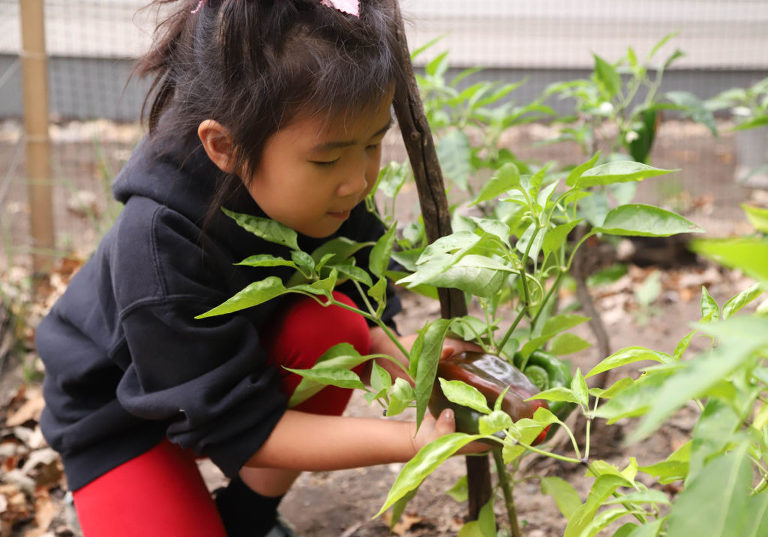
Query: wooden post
column 35, row 91
column 417, row 137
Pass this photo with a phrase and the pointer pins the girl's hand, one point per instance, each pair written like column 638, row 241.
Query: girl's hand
column 453, row 346
column 433, row 428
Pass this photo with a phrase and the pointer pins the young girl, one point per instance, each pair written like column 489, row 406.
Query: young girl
column 270, row 107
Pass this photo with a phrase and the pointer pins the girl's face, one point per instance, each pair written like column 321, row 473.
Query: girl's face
column 314, row 172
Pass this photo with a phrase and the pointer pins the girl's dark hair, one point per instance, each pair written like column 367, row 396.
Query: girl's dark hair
column 253, row 65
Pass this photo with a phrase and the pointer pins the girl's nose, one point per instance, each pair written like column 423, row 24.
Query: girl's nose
column 354, row 183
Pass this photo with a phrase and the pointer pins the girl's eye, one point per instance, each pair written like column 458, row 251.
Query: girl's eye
column 324, row 163
column 373, row 147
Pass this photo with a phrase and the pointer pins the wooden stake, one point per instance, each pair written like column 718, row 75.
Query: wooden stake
column 35, row 90
column 417, row 137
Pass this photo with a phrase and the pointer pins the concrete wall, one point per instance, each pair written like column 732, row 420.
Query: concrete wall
column 92, row 42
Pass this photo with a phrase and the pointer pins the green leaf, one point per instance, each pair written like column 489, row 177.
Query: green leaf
column 673, row 468
column 700, row 511
column 635, row 399
column 427, row 360
column 453, row 151
column 460, row 490
column 637, row 220
column 710, row 311
column 607, row 275
column 650, row 290
column 576, row 173
column 354, row 273
column 603, row 519
column 463, row 394
column 649, row 529
column 487, row 520
column 341, row 247
column 380, row 378
column 303, row 261
column 603, row 487
column 330, row 376
column 642, row 497
column 378, row 292
column 494, row 227
column 692, row 381
column 558, row 393
column 381, row 252
column 626, row 356
column 756, row 524
column 579, row 389
column 534, row 237
column 557, row 236
column 565, row 495
column 343, row 356
column 253, row 295
column 760, row 121
column 663, row 41
column 568, row 344
column 266, row 260
column 746, row 254
column 615, row 388
column 525, row 431
column 618, row 171
column 594, row 208
column 401, row 397
column 626, row 530
column 714, row 431
column 484, row 526
column 692, row 107
column 506, row 178
column 683, row 345
column 560, row 323
column 478, row 275
column 424, row 463
column 265, row 228
column 607, row 77
column 496, row 421
column 742, row 299
column 320, row 287
column 399, row 507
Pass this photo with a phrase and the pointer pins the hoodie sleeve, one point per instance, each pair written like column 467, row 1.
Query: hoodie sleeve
column 207, row 378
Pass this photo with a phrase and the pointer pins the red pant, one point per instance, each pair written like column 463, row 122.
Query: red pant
column 161, row 493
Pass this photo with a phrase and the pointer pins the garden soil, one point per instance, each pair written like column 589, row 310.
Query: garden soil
column 33, row 498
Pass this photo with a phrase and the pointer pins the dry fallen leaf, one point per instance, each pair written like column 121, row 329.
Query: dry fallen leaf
column 406, row 522
column 29, row 410
column 45, row 511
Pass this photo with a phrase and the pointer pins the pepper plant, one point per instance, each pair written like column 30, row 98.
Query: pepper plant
column 485, row 263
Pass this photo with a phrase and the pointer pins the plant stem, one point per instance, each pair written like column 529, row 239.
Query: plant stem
column 511, row 329
column 507, row 488
column 549, row 294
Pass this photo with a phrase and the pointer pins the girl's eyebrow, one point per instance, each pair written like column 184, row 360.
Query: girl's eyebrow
column 337, row 144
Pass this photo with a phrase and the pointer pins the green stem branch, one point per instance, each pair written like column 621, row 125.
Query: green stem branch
column 507, row 489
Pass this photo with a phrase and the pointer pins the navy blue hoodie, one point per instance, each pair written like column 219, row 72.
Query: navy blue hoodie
column 126, row 362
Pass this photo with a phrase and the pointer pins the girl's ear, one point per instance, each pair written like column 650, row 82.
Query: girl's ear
column 217, row 143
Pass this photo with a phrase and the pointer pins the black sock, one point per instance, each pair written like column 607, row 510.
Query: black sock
column 246, row 513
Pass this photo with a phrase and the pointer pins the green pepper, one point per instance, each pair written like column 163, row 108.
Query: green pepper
column 491, row 375
column 557, row 373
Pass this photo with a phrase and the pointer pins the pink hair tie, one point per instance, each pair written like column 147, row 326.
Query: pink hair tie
column 351, row 7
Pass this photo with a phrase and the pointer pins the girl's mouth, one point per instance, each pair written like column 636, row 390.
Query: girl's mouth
column 341, row 215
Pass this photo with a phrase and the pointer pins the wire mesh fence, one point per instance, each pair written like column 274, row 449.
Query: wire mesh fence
column 95, row 104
